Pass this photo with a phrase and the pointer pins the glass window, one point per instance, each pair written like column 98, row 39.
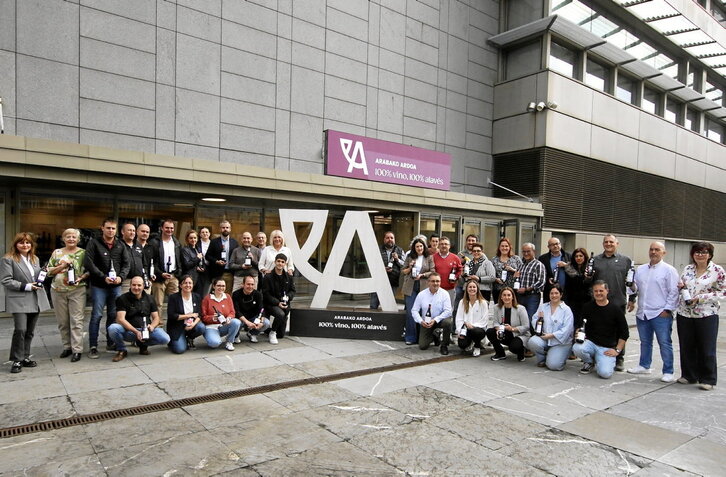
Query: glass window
column 673, row 111
column 491, row 238
column 523, row 60
column 450, row 228
column 241, row 219
column 428, row 226
column 562, row 59
column 152, row 213
column 714, row 130
column 650, row 100
column 713, row 91
column 598, row 76
column 626, row 89
column 692, row 121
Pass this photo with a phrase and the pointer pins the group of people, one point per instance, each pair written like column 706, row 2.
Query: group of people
column 252, row 288
column 560, row 306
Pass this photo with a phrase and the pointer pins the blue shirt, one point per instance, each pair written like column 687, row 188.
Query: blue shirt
column 657, row 287
column 440, row 305
column 559, row 323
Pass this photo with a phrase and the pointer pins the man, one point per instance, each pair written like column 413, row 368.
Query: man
column 244, row 261
column 219, row 253
column 248, row 308
column 656, row 284
column 553, row 260
column 261, row 239
column 465, row 255
column 448, row 266
column 278, row 290
column 433, row 244
column 392, row 256
column 137, row 312
column 166, row 251
column 108, row 262
column 531, row 277
column 605, row 333
column 136, row 254
column 432, row 310
column 612, row 268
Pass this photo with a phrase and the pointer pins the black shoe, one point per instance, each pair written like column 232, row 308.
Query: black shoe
column 144, row 350
column 520, row 358
column 444, row 350
column 111, row 346
column 16, row 367
column 437, row 338
column 190, row 344
column 28, row 363
column 93, row 354
column 498, row 357
column 586, row 368
column 66, row 353
column 75, row 357
column 619, row 366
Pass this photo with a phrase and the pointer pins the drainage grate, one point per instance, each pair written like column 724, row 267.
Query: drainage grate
column 178, row 403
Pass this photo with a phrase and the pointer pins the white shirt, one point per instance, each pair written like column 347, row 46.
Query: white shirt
column 657, row 287
column 169, row 255
column 478, row 314
column 440, row 305
column 188, row 305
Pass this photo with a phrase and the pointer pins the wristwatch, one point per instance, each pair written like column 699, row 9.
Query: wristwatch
column 618, row 350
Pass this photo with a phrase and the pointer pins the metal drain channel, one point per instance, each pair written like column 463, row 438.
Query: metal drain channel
column 178, row 403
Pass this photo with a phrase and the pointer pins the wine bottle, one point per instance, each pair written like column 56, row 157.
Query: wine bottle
column 145, row 331
column 112, row 272
column 539, row 326
column 168, row 264
column 462, row 331
column 516, row 284
column 427, row 316
column 285, row 298
column 504, row 275
column 580, row 338
column 248, row 260
column 71, row 273
column 630, row 276
column 500, row 332
column 590, row 268
column 452, row 275
column 41, row 276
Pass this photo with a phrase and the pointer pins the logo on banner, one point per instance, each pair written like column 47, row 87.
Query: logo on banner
column 329, row 280
column 346, row 145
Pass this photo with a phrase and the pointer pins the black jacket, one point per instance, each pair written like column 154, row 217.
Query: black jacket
column 395, row 274
column 214, row 253
column 248, row 306
column 98, row 261
column 175, row 326
column 190, row 262
column 157, row 252
column 273, row 287
column 137, row 263
column 545, row 259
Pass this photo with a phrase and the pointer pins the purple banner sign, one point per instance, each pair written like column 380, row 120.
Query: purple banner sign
column 359, row 157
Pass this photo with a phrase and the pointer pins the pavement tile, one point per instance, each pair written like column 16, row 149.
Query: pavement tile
column 22, row 452
column 425, row 375
column 563, row 454
column 60, row 466
column 272, row 375
column 159, row 372
column 658, row 469
column 372, row 384
column 36, row 410
column 311, row 395
column 337, row 459
column 199, row 453
column 111, row 399
column 700, row 456
column 231, row 362
column 200, row 386
column 422, row 402
column 106, row 379
column 583, row 393
column 229, row 412
column 550, row 411
column 273, row 437
column 297, row 355
column 374, row 360
column 31, row 388
column 324, row 367
column 117, row 434
column 349, row 348
column 630, row 435
column 351, row 418
column 419, row 448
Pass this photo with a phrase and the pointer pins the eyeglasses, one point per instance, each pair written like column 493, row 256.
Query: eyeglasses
column 701, row 252
column 476, row 251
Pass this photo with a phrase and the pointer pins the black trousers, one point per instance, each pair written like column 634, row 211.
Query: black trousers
column 279, row 323
column 475, row 334
column 515, row 344
column 697, row 339
column 22, row 335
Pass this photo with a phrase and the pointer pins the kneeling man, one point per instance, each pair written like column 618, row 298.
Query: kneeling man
column 432, row 310
column 137, row 319
column 606, row 332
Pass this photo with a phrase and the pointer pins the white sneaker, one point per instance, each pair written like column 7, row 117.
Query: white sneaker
column 668, row 378
column 639, row 370
column 475, row 352
column 253, row 338
column 273, row 337
column 237, row 340
column 229, row 346
column 470, row 348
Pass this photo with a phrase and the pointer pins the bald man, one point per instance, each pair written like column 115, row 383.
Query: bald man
column 656, row 285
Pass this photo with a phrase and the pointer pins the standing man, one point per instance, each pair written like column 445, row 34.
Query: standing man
column 219, row 254
column 167, row 258
column 433, row 244
column 137, row 313
column 448, row 266
column 465, row 255
column 656, row 284
column 107, row 261
column 531, row 277
column 605, row 333
column 278, row 290
column 432, row 310
column 553, row 260
column 392, row 256
column 136, row 254
column 244, row 261
column 612, row 268
column 261, row 239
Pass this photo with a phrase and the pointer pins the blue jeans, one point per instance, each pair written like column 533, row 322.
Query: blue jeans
column 265, row 326
column 119, row 335
column 530, row 303
column 179, row 345
column 662, row 327
column 589, row 351
column 102, row 297
column 554, row 357
column 410, row 334
column 213, row 336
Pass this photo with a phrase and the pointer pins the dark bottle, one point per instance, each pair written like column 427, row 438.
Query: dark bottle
column 539, row 326
column 147, row 284
column 285, row 299
column 504, row 275
column 555, row 274
column 630, row 276
column 452, row 276
column 145, row 331
column 580, row 338
column 41, row 277
column 467, row 269
column 500, row 332
column 248, row 260
column 223, row 255
column 71, row 273
column 220, row 317
column 590, row 268
column 151, row 270
column 112, row 272
column 427, row 316
column 517, row 286
column 168, row 264
column 258, row 320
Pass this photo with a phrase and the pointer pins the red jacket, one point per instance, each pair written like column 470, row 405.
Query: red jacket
column 225, row 307
column 444, row 266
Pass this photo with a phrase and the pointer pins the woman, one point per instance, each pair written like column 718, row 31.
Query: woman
column 184, row 312
column 577, row 292
column 192, row 260
column 218, row 316
column 202, row 283
column 19, row 270
column 504, row 260
column 472, row 316
column 697, row 318
column 68, row 291
column 510, row 326
column 268, row 254
column 553, row 345
column 416, row 270
column 481, row 271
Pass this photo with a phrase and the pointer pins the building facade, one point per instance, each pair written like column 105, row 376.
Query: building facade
column 146, row 109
